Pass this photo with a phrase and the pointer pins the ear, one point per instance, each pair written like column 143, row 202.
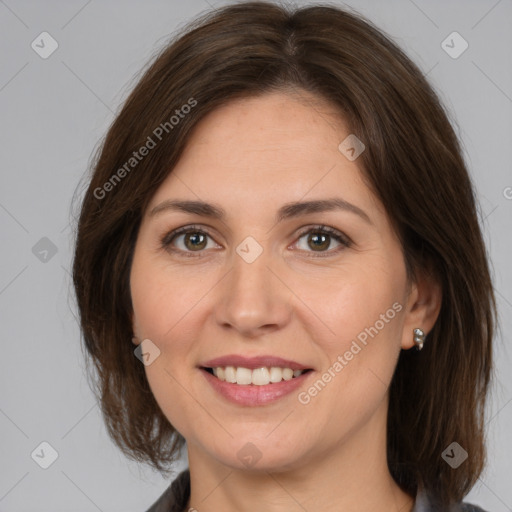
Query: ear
column 422, row 307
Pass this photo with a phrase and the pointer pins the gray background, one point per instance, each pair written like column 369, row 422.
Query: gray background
column 53, row 113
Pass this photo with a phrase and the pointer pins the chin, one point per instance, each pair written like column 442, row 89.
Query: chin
column 259, row 455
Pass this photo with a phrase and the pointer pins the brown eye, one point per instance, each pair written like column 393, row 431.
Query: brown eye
column 186, row 240
column 319, row 240
column 194, row 241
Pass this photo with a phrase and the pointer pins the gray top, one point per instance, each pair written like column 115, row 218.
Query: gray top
column 176, row 496
column 427, row 503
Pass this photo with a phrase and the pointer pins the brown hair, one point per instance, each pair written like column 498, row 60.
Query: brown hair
column 412, row 162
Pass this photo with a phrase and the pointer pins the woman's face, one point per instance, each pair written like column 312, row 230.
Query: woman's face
column 264, row 282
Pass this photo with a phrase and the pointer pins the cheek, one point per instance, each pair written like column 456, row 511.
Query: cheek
column 163, row 309
column 364, row 312
column 361, row 305
column 161, row 301
column 154, row 321
column 160, row 296
column 360, row 354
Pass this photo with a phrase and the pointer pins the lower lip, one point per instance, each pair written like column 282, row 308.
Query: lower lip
column 253, row 395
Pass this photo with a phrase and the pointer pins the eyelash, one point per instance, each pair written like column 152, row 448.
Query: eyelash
column 345, row 242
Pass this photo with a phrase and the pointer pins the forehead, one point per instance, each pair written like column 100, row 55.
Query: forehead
column 274, row 123
column 278, row 146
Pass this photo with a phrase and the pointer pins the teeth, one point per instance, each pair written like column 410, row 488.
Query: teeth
column 276, row 374
column 243, row 375
column 230, row 374
column 260, row 376
column 257, row 377
column 287, row 373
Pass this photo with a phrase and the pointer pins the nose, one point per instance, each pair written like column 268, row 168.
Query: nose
column 253, row 299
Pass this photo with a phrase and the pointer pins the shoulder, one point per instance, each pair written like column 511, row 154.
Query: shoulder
column 469, row 507
column 175, row 497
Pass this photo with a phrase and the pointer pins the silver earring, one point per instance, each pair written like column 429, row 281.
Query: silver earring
column 419, row 338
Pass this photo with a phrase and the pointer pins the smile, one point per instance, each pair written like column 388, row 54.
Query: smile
column 250, row 387
column 257, row 377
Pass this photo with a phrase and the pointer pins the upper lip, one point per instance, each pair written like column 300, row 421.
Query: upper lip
column 253, row 362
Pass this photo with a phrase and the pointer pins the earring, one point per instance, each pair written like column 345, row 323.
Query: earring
column 419, row 338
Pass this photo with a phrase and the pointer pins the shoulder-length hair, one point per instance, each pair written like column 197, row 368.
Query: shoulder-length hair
column 413, row 163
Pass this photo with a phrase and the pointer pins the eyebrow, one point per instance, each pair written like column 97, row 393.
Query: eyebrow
column 287, row 211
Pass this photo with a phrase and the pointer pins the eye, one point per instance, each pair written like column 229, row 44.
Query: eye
column 188, row 239
column 320, row 238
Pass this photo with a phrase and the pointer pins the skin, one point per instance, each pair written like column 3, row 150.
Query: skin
column 250, row 157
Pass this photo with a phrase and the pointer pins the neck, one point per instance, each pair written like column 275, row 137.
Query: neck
column 352, row 476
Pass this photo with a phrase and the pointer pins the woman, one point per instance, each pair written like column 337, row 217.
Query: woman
column 281, row 221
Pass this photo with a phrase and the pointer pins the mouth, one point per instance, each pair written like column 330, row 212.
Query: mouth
column 254, row 381
column 257, row 377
